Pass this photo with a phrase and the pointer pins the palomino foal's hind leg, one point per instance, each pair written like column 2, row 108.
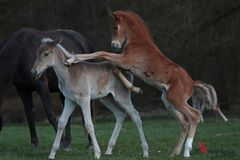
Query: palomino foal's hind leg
column 119, row 115
column 125, row 102
column 69, row 107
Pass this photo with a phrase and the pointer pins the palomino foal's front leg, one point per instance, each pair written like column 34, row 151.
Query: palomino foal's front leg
column 69, row 107
column 84, row 102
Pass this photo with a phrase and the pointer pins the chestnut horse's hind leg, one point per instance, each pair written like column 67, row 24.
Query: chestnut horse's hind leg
column 177, row 98
column 184, row 125
column 26, row 97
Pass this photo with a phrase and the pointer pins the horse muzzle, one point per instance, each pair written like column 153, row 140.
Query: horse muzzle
column 35, row 74
column 116, row 44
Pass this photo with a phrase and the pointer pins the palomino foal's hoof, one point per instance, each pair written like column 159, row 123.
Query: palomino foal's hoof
column 108, row 153
column 145, row 155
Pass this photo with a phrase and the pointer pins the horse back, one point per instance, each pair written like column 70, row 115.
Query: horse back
column 18, row 53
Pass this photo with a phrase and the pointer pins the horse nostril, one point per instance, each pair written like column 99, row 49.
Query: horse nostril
column 34, row 72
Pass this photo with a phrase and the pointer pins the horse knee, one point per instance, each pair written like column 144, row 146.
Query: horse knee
column 52, row 119
column 89, row 128
column 120, row 117
column 196, row 116
column 61, row 124
column 136, row 118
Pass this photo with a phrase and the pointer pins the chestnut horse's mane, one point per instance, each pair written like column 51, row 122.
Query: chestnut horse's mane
column 136, row 22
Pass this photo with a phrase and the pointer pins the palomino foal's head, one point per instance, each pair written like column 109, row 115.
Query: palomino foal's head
column 45, row 56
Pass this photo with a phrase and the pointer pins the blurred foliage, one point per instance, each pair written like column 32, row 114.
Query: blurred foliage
column 203, row 36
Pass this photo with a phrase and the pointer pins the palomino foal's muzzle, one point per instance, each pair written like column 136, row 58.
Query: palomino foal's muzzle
column 35, row 73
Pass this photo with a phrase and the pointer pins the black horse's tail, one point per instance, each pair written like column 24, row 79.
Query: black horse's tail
column 204, row 95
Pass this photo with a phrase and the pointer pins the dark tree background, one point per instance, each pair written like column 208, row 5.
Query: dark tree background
column 203, row 36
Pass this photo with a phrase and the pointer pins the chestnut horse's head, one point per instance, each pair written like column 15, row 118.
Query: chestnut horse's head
column 119, row 33
column 45, row 56
column 128, row 25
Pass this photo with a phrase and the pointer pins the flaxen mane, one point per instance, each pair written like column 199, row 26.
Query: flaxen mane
column 62, row 53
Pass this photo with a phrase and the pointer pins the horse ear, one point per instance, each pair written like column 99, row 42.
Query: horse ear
column 112, row 14
column 55, row 42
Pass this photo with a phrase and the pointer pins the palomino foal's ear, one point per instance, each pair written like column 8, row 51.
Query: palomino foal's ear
column 55, row 42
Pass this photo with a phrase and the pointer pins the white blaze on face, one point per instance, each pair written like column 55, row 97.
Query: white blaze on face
column 116, row 44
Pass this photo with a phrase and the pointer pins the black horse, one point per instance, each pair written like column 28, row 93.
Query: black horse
column 17, row 55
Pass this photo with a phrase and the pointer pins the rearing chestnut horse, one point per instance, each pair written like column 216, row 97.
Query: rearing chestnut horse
column 143, row 58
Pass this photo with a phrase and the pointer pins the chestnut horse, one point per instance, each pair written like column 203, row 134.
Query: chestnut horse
column 143, row 58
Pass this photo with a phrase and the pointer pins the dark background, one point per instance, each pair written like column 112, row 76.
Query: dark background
column 203, row 36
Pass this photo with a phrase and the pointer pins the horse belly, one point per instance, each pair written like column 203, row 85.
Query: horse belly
column 149, row 78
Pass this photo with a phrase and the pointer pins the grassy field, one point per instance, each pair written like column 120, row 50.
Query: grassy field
column 221, row 140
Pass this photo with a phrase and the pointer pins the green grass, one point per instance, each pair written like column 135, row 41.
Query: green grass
column 221, row 140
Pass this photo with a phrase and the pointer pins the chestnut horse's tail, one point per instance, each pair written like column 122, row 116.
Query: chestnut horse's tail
column 205, row 96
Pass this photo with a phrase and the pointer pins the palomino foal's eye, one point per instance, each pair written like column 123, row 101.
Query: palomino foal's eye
column 45, row 54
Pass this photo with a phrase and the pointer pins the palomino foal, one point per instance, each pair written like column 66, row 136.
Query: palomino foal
column 83, row 82
column 143, row 58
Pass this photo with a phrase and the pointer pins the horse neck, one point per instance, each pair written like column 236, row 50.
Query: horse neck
column 59, row 68
column 137, row 40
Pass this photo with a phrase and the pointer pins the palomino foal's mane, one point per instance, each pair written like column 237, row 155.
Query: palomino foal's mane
column 62, row 53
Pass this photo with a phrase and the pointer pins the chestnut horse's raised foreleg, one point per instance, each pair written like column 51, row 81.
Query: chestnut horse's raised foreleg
column 117, row 59
column 126, row 82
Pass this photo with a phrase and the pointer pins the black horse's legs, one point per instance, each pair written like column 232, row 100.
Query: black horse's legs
column 26, row 97
column 42, row 90
column 1, row 120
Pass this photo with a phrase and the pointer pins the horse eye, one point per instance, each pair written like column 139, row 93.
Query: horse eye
column 115, row 27
column 45, row 54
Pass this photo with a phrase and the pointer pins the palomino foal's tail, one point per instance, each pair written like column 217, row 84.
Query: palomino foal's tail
column 204, row 95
